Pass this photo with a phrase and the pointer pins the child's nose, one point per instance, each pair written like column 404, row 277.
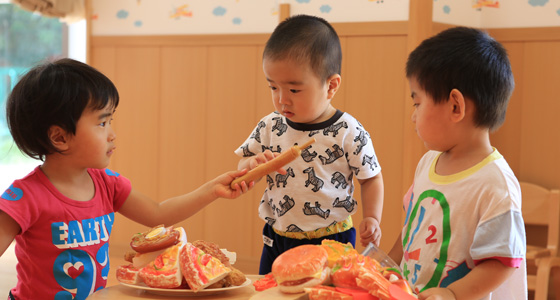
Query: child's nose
column 112, row 135
column 283, row 98
column 413, row 117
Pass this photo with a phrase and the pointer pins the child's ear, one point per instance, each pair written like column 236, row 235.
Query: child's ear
column 333, row 83
column 457, row 104
column 58, row 137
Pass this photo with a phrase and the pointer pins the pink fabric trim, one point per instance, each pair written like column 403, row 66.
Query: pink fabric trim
column 507, row 261
column 407, row 197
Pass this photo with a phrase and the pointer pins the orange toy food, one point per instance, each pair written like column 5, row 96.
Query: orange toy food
column 160, row 268
column 164, row 271
column 376, row 284
column 337, row 250
column 273, row 165
column 350, row 267
column 163, row 268
column 265, row 283
column 212, row 249
column 200, row 269
column 300, row 267
column 128, row 274
column 322, row 292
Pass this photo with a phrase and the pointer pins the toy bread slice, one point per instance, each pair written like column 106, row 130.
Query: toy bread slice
column 200, row 269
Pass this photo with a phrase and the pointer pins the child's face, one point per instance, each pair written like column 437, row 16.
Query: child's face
column 93, row 144
column 297, row 92
column 430, row 118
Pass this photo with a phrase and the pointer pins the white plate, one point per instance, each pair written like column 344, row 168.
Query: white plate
column 185, row 292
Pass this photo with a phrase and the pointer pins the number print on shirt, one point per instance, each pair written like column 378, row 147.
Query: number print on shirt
column 417, row 216
column 430, row 239
column 75, row 272
column 102, row 257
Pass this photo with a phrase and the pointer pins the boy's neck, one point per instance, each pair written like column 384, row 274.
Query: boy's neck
column 74, row 183
column 465, row 154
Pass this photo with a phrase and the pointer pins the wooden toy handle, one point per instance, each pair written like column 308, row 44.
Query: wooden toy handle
column 274, row 164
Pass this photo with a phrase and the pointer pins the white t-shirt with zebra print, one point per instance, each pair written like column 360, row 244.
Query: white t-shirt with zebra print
column 317, row 191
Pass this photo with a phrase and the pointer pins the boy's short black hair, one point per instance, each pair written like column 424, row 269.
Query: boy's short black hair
column 306, row 39
column 469, row 60
column 54, row 93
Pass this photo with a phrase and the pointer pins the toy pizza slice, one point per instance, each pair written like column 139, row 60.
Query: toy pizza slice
column 128, row 274
column 165, row 271
column 200, row 269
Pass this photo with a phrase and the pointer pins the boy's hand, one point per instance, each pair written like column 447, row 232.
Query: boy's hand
column 264, row 157
column 370, row 231
column 437, row 294
column 222, row 188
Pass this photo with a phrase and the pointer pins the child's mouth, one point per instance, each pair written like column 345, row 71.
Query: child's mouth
column 288, row 114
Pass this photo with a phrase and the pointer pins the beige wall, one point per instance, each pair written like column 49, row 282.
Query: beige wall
column 530, row 137
column 187, row 102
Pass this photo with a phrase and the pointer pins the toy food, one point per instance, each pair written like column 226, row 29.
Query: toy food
column 326, row 292
column 200, row 269
column 164, row 272
column 160, row 267
column 348, row 268
column 352, row 276
column 214, row 250
column 300, row 267
column 336, row 250
column 265, row 283
column 274, row 164
column 157, row 238
column 167, row 267
column 128, row 274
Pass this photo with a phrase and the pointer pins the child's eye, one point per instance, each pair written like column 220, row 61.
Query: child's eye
column 294, row 91
column 102, row 124
column 272, row 88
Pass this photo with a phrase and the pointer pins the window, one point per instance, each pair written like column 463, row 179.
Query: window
column 25, row 40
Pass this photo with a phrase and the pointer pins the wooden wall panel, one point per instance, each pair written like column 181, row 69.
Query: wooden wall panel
column 231, row 110
column 530, row 136
column 137, row 77
column 374, row 85
column 263, row 106
column 182, row 155
column 105, row 58
column 540, row 132
column 215, row 84
column 263, row 103
column 136, row 124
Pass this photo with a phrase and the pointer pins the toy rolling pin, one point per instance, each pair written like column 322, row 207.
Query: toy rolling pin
column 274, row 164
